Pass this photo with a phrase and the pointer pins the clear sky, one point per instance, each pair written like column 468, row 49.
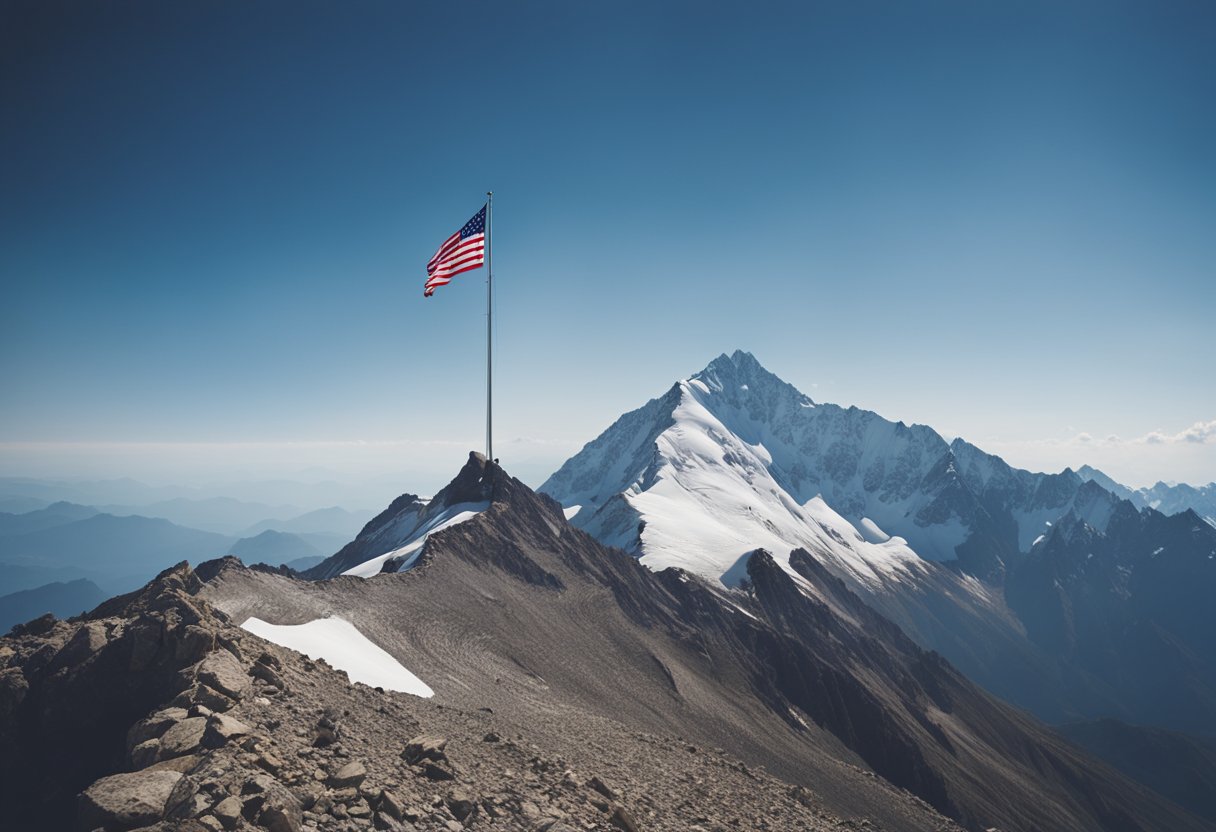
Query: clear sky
column 995, row 218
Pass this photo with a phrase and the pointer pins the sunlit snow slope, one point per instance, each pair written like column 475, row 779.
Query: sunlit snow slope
column 734, row 458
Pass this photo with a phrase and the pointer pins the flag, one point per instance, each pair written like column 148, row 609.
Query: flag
column 464, row 250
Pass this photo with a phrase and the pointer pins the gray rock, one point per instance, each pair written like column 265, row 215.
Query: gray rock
column 154, row 726
column 221, row 671
column 386, row 823
column 222, row 728
column 425, row 748
column 431, row 771
column 145, row 754
column 124, row 801
column 621, row 819
column 87, row 640
column 228, row 812
column 349, row 776
column 392, row 805
column 461, row 803
column 200, row 694
column 267, row 674
column 602, row 787
column 194, row 643
column 183, row 738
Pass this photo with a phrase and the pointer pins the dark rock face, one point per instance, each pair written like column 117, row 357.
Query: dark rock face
column 82, row 687
column 1133, row 595
column 1178, row 766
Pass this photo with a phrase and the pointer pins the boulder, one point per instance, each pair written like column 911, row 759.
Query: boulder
column 431, row 771
column 145, row 753
column 461, row 803
column 36, row 627
column 221, row 671
column 193, row 643
column 602, row 787
column 349, row 776
column 206, row 696
column 267, row 674
column 87, row 640
column 126, row 801
column 424, row 748
column 222, row 728
column 183, row 738
column 392, row 805
column 154, row 726
column 228, row 812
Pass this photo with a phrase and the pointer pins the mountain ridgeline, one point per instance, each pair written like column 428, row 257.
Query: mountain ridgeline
column 736, row 608
column 516, row 611
column 992, row 566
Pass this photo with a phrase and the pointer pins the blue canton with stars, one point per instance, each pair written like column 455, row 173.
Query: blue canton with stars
column 477, row 225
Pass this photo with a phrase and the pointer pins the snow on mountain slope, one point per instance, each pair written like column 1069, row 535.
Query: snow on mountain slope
column 394, row 539
column 733, row 458
column 340, row 643
column 404, row 555
column 712, row 499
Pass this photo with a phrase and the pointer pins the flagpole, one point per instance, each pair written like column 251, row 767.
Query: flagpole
column 489, row 325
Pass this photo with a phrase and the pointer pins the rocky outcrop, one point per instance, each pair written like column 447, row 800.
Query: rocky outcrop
column 152, row 714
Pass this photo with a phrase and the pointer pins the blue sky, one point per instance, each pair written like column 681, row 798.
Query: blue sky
column 993, row 218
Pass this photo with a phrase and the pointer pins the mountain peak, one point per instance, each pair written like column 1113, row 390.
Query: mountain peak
column 393, row 540
column 740, row 372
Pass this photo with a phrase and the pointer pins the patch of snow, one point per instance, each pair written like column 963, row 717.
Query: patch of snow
column 409, row 551
column 340, row 643
column 570, row 511
column 1037, row 540
column 870, row 531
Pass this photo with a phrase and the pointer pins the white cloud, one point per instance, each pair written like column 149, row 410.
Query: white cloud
column 1200, row 433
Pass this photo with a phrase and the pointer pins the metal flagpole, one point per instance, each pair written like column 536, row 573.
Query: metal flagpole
column 489, row 325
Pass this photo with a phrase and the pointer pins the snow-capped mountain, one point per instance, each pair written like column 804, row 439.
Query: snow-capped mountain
column 1164, row 497
column 958, row 548
column 733, row 458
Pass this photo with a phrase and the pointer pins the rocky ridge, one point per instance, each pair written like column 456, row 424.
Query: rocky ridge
column 517, row 610
column 155, row 712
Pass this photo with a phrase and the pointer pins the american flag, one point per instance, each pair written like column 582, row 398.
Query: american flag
column 464, row 250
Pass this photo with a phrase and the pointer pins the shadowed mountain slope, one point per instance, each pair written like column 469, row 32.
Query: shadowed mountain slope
column 516, row 610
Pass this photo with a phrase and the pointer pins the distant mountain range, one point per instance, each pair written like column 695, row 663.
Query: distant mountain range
column 66, row 541
column 1164, row 497
column 61, row 599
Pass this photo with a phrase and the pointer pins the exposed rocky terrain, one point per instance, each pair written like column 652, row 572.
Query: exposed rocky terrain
column 793, row 672
column 155, row 712
column 574, row 689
